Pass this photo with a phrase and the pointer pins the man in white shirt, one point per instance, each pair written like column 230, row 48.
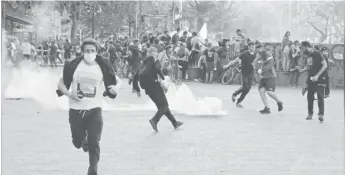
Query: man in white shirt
column 26, row 49
column 87, row 76
column 182, row 54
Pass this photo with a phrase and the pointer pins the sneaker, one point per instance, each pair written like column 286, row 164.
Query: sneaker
column 233, row 98
column 321, row 117
column 239, row 105
column 265, row 111
column 280, row 106
column 154, row 125
column 178, row 124
column 310, row 117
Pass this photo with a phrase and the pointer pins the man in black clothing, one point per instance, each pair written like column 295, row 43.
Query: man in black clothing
column 134, row 60
column 147, row 76
column 112, row 52
column 67, row 48
column 176, row 37
column 316, row 81
column 324, row 52
column 246, row 58
column 184, row 37
column 166, row 38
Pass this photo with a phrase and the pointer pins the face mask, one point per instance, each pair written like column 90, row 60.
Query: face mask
column 90, row 57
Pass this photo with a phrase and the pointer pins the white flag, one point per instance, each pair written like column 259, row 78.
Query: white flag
column 203, row 32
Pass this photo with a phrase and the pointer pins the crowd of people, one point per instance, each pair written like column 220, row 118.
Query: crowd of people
column 84, row 76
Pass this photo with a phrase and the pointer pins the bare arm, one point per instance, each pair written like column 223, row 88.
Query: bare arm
column 324, row 67
column 62, row 88
column 232, row 62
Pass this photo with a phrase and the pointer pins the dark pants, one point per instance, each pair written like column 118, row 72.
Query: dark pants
column 193, row 58
column 327, row 90
column 87, row 123
column 203, row 72
column 157, row 95
column 58, row 57
column 294, row 75
column 53, row 60
column 67, row 55
column 247, row 82
column 184, row 65
column 320, row 91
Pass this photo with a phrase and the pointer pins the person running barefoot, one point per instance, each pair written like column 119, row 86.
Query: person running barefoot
column 268, row 81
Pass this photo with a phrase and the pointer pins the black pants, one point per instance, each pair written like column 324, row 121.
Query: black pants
column 193, row 60
column 203, row 72
column 53, row 60
column 89, row 121
column 294, row 75
column 247, row 82
column 157, row 95
column 327, row 90
column 320, row 91
column 184, row 65
column 67, row 55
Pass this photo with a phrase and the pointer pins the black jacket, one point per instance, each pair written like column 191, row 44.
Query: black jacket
column 147, row 74
column 108, row 72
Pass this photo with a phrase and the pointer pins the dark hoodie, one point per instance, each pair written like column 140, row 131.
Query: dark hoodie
column 109, row 77
column 147, row 74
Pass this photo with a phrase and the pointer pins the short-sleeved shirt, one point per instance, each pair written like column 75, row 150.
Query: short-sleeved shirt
column 90, row 79
column 315, row 64
column 246, row 61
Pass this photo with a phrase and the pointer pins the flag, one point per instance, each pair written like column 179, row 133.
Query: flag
column 203, row 31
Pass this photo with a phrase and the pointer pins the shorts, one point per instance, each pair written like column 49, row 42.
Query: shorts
column 268, row 83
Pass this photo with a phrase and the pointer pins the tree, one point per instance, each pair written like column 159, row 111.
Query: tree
column 222, row 15
column 196, row 11
column 324, row 18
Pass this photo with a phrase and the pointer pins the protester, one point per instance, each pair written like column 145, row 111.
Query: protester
column 182, row 55
column 294, row 55
column 147, row 76
column 81, row 83
column 26, row 49
column 53, row 54
column 286, row 44
column 210, row 58
column 67, row 48
column 316, row 81
column 246, row 59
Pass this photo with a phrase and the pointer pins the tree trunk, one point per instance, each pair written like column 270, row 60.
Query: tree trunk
column 75, row 22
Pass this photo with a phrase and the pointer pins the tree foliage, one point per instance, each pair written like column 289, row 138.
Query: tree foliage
column 327, row 18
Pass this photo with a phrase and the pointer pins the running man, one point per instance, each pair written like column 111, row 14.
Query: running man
column 246, row 59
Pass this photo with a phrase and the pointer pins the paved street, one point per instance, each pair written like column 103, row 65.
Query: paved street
column 38, row 142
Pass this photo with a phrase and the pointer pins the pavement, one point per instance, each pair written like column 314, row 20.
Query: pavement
column 38, row 142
